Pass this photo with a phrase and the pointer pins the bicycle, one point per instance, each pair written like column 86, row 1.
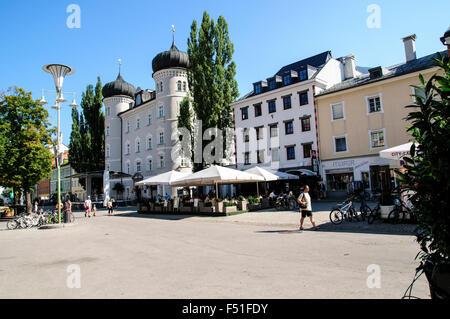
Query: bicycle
column 343, row 211
column 375, row 214
column 286, row 202
column 20, row 222
column 400, row 209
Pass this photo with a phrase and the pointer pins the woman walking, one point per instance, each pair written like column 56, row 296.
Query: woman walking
column 305, row 208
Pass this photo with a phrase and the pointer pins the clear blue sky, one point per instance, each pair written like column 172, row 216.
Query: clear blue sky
column 266, row 36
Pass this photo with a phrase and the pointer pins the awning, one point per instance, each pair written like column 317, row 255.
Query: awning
column 267, row 175
column 162, row 179
column 303, row 171
column 397, row 152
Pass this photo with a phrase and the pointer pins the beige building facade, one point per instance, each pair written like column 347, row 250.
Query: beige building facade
column 365, row 115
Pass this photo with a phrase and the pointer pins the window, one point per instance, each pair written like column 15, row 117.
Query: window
column 128, row 168
column 246, row 136
column 138, row 146
column 374, row 104
column 107, row 131
column 258, row 88
column 138, row 124
column 258, row 111
column 128, row 148
column 289, row 127
column 149, row 119
column 290, row 153
column 307, row 148
column 138, row 99
column 183, row 162
column 161, row 138
column 244, row 113
column 337, row 111
column 287, row 102
column 157, row 87
column 273, row 130
column 149, row 143
column 272, row 85
column 179, row 86
column 161, row 111
column 247, row 158
column 275, row 155
column 161, row 86
column 377, row 138
column 306, row 124
column 272, row 106
column 303, row 98
column 260, row 157
column 107, row 151
column 340, row 144
column 149, row 165
column 138, row 166
column 161, row 161
column 259, row 133
column 128, row 127
column 287, row 79
column 184, row 86
column 302, row 75
column 108, row 111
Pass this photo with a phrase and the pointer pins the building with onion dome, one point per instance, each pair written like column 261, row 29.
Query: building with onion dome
column 139, row 124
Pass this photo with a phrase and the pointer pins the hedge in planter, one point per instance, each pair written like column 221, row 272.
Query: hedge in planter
column 428, row 175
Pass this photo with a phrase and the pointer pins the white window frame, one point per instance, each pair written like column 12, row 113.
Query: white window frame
column 159, row 138
column 149, row 145
column 108, row 151
column 343, row 111
column 161, row 111
column 149, row 164
column 137, row 145
column 138, row 123
column 140, row 166
column 149, row 120
column 346, row 143
column 379, row 95
column 370, row 139
column 107, row 130
column 277, row 149
column 161, row 161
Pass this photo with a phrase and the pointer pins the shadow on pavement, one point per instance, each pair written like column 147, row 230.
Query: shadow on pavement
column 157, row 216
column 363, row 227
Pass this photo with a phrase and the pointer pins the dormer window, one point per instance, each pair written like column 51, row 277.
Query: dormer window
column 302, row 75
column 179, row 86
column 287, row 79
column 258, row 88
column 272, row 85
column 138, row 99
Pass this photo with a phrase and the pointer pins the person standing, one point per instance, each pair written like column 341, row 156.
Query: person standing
column 110, row 207
column 306, row 208
column 95, row 210
column 35, row 207
column 87, row 207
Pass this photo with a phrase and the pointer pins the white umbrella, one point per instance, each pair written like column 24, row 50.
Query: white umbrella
column 215, row 175
column 306, row 172
column 397, row 152
column 284, row 176
column 267, row 175
column 162, row 179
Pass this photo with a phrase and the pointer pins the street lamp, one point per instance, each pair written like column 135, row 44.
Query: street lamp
column 59, row 72
column 446, row 40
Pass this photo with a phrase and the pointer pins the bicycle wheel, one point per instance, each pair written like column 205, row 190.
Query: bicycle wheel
column 365, row 212
column 336, row 216
column 12, row 224
column 292, row 204
column 394, row 216
column 278, row 206
column 371, row 218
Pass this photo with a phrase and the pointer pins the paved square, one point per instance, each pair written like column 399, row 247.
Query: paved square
column 257, row 255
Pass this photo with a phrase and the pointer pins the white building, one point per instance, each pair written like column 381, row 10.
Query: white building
column 276, row 124
column 139, row 123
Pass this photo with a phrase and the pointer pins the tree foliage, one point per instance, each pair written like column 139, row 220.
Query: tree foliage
column 428, row 167
column 211, row 74
column 25, row 140
column 87, row 140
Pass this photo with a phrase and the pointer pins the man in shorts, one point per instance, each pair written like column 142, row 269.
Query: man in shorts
column 305, row 208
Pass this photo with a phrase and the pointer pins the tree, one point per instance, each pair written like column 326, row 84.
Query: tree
column 211, row 75
column 87, row 140
column 428, row 167
column 25, row 157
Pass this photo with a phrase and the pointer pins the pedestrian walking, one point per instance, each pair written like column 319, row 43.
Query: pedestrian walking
column 87, row 207
column 109, row 205
column 94, row 210
column 35, row 207
column 306, row 208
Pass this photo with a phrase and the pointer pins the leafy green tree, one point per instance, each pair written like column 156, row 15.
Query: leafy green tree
column 87, row 140
column 428, row 167
column 25, row 158
column 211, row 75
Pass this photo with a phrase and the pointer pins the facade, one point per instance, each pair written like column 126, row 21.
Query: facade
column 275, row 124
column 139, row 123
column 362, row 116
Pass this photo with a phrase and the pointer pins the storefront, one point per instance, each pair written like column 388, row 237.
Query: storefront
column 374, row 173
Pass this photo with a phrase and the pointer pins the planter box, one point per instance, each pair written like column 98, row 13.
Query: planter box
column 242, row 205
column 219, row 207
column 254, row 206
column 210, row 209
column 157, row 209
column 385, row 210
column 230, row 209
column 186, row 209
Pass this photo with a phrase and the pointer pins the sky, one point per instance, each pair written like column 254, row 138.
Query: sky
column 266, row 36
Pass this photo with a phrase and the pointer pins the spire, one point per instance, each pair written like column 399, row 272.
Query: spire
column 173, row 35
column 120, row 64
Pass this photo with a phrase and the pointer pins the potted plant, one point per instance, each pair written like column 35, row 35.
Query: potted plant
column 242, row 203
column 386, row 204
column 254, row 203
column 427, row 175
column 219, row 205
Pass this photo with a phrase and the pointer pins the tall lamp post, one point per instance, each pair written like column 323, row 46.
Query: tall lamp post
column 59, row 72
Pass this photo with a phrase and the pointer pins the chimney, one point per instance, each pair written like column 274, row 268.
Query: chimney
column 410, row 47
column 349, row 67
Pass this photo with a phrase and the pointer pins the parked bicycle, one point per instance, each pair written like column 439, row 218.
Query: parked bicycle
column 344, row 211
column 286, row 202
column 375, row 214
column 22, row 221
column 400, row 213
